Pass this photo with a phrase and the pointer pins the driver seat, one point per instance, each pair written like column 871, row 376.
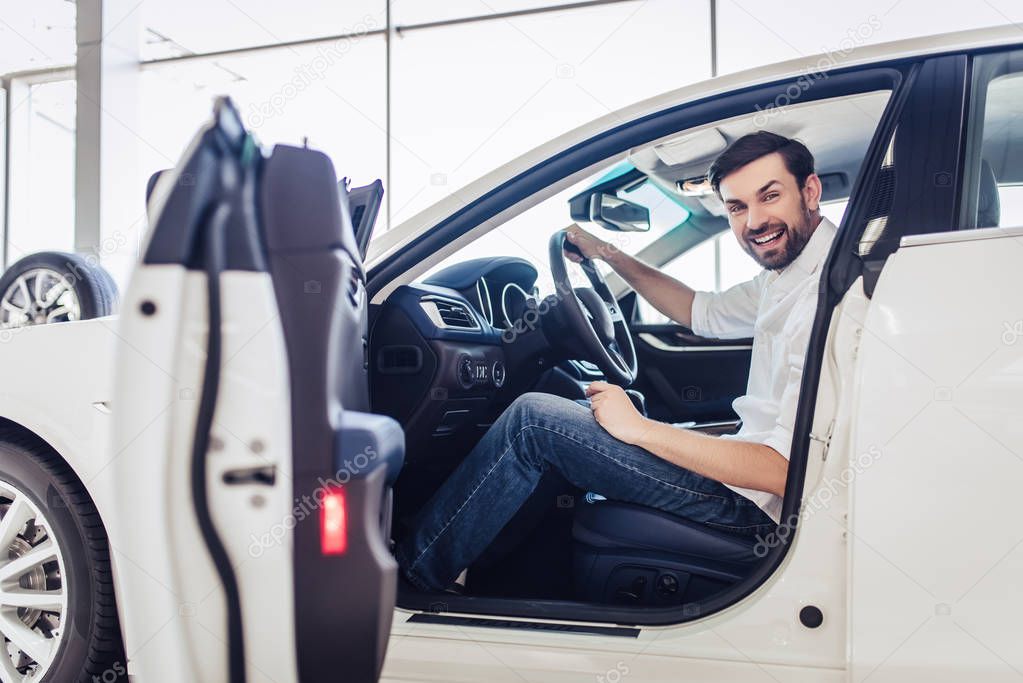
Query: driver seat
column 633, row 555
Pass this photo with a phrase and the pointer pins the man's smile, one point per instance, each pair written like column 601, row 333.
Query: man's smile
column 768, row 239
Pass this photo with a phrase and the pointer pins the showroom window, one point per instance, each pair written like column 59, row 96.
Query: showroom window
column 42, row 168
column 994, row 169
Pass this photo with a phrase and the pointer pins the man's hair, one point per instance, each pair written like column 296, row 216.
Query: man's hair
column 798, row 159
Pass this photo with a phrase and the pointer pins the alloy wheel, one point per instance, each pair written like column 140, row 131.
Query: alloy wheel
column 37, row 297
column 33, row 596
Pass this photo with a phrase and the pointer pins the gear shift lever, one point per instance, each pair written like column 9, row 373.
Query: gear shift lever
column 638, row 400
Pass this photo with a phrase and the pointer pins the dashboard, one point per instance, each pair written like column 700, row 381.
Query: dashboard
column 440, row 360
column 500, row 288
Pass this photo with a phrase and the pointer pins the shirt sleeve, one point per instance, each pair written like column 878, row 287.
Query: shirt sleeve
column 730, row 314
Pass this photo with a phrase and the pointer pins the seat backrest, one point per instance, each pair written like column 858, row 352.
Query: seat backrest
column 317, row 267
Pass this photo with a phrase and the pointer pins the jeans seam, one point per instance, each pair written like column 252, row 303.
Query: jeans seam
column 765, row 526
column 631, row 469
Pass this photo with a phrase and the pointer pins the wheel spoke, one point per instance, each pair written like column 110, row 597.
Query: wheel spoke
column 13, row 522
column 37, row 287
column 54, row 292
column 8, row 674
column 51, row 601
column 60, row 310
column 35, row 645
column 47, row 550
column 22, row 285
column 8, row 306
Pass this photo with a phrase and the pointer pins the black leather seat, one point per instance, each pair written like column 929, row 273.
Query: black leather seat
column 629, row 554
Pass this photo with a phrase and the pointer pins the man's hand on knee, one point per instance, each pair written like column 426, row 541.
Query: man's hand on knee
column 616, row 413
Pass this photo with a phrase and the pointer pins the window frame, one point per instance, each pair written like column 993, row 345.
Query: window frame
column 14, row 141
column 983, row 67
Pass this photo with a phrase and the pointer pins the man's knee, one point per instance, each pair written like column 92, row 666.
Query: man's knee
column 535, row 404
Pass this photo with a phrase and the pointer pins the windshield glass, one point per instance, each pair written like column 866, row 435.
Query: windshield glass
column 526, row 235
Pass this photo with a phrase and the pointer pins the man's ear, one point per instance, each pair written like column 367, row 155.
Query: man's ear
column 812, row 191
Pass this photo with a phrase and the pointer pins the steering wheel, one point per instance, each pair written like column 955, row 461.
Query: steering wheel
column 593, row 316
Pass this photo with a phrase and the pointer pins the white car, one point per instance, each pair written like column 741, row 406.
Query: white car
column 187, row 501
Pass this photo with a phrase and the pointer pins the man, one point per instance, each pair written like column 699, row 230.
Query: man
column 732, row 483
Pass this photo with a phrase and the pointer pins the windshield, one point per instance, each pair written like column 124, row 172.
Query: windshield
column 527, row 234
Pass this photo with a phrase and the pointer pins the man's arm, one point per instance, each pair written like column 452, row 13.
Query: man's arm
column 669, row 296
column 737, row 463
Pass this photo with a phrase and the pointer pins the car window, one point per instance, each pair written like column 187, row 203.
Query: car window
column 994, row 165
column 699, row 250
column 526, row 235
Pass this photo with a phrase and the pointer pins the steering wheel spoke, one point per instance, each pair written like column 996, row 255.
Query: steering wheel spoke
column 594, row 318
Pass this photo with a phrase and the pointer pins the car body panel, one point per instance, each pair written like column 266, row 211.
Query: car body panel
column 58, row 383
column 941, row 387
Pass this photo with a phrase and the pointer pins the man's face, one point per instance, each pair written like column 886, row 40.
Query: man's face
column 768, row 211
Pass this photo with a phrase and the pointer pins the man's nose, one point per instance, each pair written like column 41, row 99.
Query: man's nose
column 755, row 218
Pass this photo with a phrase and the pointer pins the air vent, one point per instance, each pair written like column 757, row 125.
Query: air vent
column 399, row 359
column 449, row 314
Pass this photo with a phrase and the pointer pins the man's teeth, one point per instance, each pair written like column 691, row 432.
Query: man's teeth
column 767, row 238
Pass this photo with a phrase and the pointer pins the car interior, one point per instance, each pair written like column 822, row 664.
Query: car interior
column 451, row 350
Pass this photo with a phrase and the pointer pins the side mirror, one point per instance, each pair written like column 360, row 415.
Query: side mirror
column 614, row 213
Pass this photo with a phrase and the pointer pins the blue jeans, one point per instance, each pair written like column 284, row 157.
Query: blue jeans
column 539, row 431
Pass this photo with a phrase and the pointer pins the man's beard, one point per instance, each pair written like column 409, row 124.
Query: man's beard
column 794, row 241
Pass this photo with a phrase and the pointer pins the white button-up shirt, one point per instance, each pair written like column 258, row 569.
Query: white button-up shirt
column 776, row 309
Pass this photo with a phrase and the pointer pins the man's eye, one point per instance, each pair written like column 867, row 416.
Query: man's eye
column 734, row 209
column 770, row 196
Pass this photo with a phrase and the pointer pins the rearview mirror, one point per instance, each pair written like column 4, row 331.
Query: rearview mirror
column 614, row 213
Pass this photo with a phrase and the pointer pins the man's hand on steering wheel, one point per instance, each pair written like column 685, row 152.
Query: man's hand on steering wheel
column 591, row 324
column 589, row 246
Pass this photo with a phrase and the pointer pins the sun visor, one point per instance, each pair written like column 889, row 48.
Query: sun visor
column 692, row 148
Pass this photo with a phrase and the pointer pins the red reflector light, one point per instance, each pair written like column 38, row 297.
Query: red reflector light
column 333, row 523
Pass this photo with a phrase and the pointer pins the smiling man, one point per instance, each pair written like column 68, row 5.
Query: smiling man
column 733, row 483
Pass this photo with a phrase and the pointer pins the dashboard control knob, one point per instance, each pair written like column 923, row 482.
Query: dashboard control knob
column 465, row 372
column 498, row 374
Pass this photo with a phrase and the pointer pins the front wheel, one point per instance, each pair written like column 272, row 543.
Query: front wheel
column 58, row 618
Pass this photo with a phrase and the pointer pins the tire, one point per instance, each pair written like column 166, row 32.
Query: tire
column 52, row 286
column 37, row 485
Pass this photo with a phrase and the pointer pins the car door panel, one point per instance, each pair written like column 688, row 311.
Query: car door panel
column 249, row 461
column 687, row 378
column 937, row 449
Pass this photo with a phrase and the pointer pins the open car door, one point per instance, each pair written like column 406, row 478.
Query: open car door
column 253, row 486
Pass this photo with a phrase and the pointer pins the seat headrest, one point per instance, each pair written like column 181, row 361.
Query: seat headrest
column 301, row 205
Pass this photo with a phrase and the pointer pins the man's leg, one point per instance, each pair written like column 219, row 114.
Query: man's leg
column 537, row 432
